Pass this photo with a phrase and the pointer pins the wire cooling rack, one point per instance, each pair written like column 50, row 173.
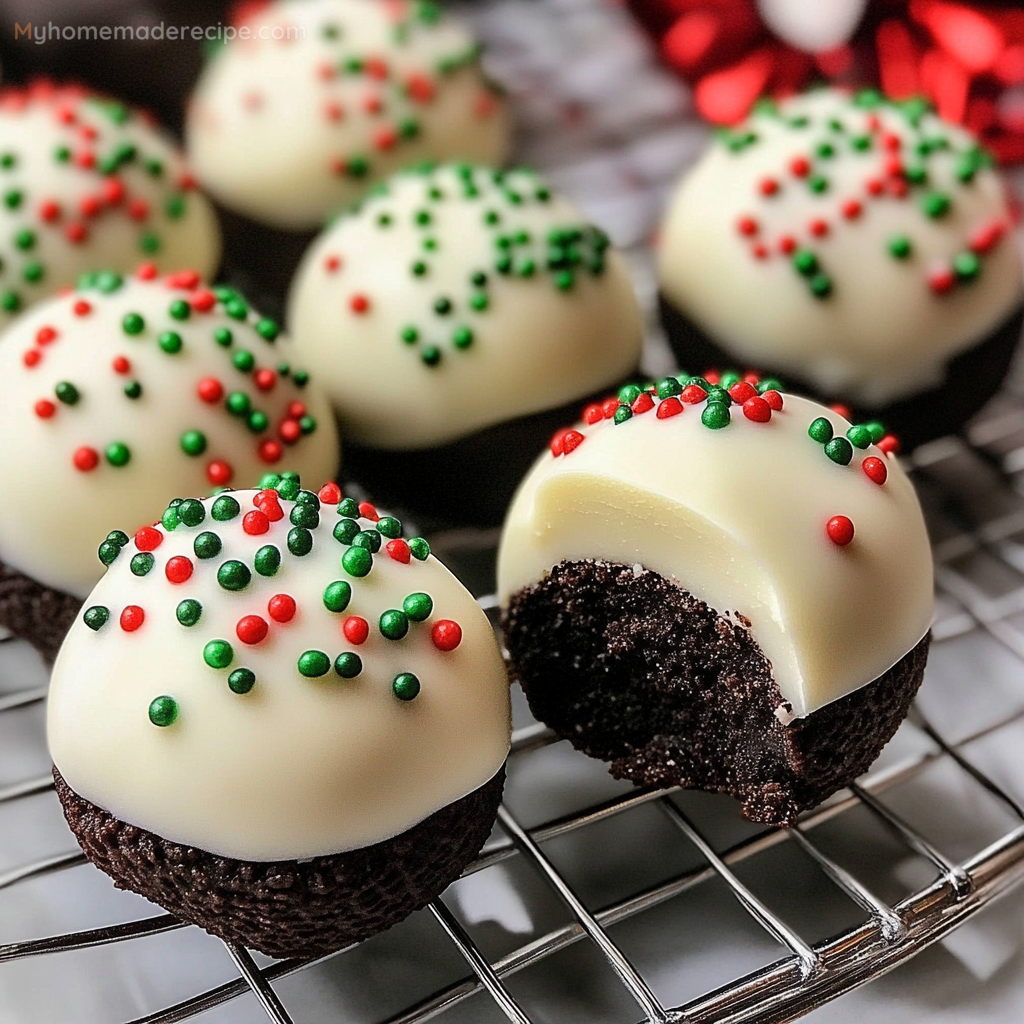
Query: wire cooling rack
column 972, row 491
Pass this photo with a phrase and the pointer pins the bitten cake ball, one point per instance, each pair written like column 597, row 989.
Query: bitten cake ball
column 720, row 587
column 280, row 719
column 326, row 97
column 88, row 182
column 457, row 317
column 859, row 247
column 125, row 392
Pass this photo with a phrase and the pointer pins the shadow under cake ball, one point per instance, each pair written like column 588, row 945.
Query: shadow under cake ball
column 457, row 317
column 323, row 99
column 89, row 182
column 293, row 742
column 862, row 249
column 727, row 591
column 128, row 391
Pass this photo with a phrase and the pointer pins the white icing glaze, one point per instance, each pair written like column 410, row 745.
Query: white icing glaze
column 883, row 332
column 272, row 123
column 737, row 517
column 55, row 542
column 111, row 215
column 297, row 767
column 534, row 346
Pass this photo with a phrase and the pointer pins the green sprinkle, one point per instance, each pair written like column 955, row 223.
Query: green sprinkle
column 418, row 607
column 357, row 562
column 431, row 355
column 718, row 394
column 443, row 306
column 966, row 265
column 861, row 143
column 169, row 520
column 936, row 204
column 33, row 272
column 817, row 183
column 242, row 360
column 337, row 596
column 304, row 515
column 839, row 450
column 267, row 560
column 728, row 379
column 242, row 680
column 10, row 301
column 191, row 512
column 288, row 488
column 236, row 309
column 769, row 384
column 225, row 508
column 409, row 335
column 419, row 549
column 267, row 329
column 108, row 552
column 133, row 324
column 900, row 247
column 462, row 337
column 629, row 393
column 805, row 261
column 238, row 403
column 96, row 617
column 13, row 199
column 715, row 416
column 133, row 390
column 820, row 430
column 821, row 286
column 218, row 654
column 25, row 239
column 207, row 545
column 479, row 302
column 180, row 309
column 346, row 530
column 622, row 413
column 859, row 436
column 313, row 664
column 564, row 280
column 348, row 507
column 223, row 337
column 368, row 539
column 234, row 575
column 876, row 430
column 257, row 421
column 193, row 442
column 348, row 665
column 394, row 624
column 406, row 686
column 825, row 150
column 389, row 526
column 189, row 612
column 668, row 387
column 300, row 541
column 118, row 454
column 163, row 711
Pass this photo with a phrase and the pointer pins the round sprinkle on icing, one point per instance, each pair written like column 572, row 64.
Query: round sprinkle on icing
column 840, row 530
column 348, row 665
column 218, row 654
column 313, row 664
column 242, row 680
column 446, row 635
column 189, row 612
column 96, row 617
column 163, row 711
column 406, row 686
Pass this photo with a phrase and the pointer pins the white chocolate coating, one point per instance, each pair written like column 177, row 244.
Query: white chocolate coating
column 533, row 345
column 72, row 213
column 274, row 124
column 737, row 517
column 297, row 767
column 55, row 542
column 884, row 331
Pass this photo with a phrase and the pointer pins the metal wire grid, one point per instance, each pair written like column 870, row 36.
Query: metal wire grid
column 805, row 975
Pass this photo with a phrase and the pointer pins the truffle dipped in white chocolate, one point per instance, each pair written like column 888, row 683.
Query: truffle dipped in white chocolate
column 470, row 296
column 855, row 243
column 275, row 674
column 130, row 391
column 326, row 97
column 775, row 508
column 87, row 183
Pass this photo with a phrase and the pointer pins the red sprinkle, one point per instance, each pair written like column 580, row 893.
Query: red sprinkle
column 187, row 279
column 289, row 431
column 85, row 459
column 138, row 209
column 132, row 617
column 296, row 410
column 81, row 308
column 693, row 393
column 891, row 142
column 746, row 226
column 281, row 608
column 330, row 493
column 608, row 407
column 210, row 390
column 800, row 166
column 49, row 211
column 839, row 530
column 359, row 303
column 593, row 414
column 120, row 364
column 757, row 409
column 446, row 635
column 874, row 186
column 270, row 451
column 89, row 206
column 941, row 280
column 741, row 391
column 986, row 237
column 787, row 245
column 269, row 504
column 32, row 357
column 852, row 209
column 112, row 191
column 889, row 445
column 203, row 301
column 774, row 400
column 398, row 549
column 768, row 186
column 45, row 335
column 356, row 630
column 874, row 469
column 219, row 473
column 178, row 569
column 367, row 511
column 45, row 408
column 148, row 539
column 147, row 272
column 760, row 251
column 712, row 376
column 252, row 629
column 256, row 522
column 332, row 263
column 641, row 404
column 76, row 232
column 264, row 379
column 841, row 410
column 669, row 407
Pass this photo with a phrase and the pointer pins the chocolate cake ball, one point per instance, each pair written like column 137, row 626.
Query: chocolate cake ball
column 324, row 99
column 457, row 317
column 280, row 719
column 860, row 248
column 89, row 183
column 728, row 589
column 128, row 391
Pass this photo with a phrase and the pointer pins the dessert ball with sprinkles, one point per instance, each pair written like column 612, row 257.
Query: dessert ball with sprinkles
column 281, row 718
column 88, row 182
column 457, row 317
column 328, row 96
column 712, row 584
column 128, row 391
column 862, row 249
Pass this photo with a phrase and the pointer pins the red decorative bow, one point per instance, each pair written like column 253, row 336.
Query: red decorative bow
column 968, row 59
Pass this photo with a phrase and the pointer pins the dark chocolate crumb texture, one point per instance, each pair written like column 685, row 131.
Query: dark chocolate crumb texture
column 130, row 390
column 277, row 674
column 853, row 242
column 713, row 542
